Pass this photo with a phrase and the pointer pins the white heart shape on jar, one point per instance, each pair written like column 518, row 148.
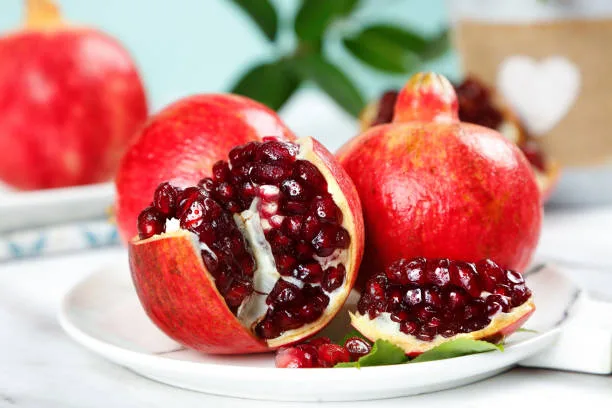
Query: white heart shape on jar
column 541, row 92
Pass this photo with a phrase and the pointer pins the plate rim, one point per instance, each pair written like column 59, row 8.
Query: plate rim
column 128, row 358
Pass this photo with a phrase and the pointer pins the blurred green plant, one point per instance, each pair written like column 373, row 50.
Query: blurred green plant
column 388, row 48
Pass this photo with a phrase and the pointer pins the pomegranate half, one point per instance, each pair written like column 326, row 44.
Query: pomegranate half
column 436, row 187
column 418, row 304
column 261, row 255
column 181, row 143
column 71, row 100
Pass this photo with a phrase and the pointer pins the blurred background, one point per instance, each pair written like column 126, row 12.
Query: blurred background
column 190, row 46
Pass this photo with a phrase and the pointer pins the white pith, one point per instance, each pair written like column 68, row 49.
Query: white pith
column 253, row 222
column 382, row 327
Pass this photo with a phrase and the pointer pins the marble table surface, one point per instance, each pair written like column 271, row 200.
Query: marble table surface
column 41, row 367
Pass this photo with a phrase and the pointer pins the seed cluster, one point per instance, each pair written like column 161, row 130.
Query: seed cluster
column 439, row 296
column 301, row 222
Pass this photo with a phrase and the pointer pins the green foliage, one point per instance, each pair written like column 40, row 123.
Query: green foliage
column 386, row 353
column 386, row 48
column 263, row 14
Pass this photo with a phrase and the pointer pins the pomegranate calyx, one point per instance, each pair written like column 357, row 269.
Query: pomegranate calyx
column 42, row 14
column 427, row 97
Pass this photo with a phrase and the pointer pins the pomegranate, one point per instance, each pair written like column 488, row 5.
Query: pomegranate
column 260, row 255
column 418, row 304
column 71, row 101
column 436, row 187
column 478, row 104
column 181, row 143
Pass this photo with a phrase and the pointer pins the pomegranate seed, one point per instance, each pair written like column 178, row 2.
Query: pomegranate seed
column 357, row 347
column 225, row 191
column 308, row 272
column 238, row 291
column 400, row 316
column 490, row 274
column 455, row 298
column 240, row 155
column 308, row 173
column 275, row 151
column 284, row 294
column 207, row 184
column 394, row 297
column 310, row 227
column 303, row 251
column 438, row 273
column 221, row 171
column 514, row 278
column 326, row 210
column 293, row 207
column 413, row 297
column 294, row 357
column 409, row 326
column 192, row 218
column 333, row 278
column 432, row 297
column 285, row 264
column 267, row 329
column 324, row 243
column 164, row 199
column 150, row 222
column 292, row 226
column 293, row 190
column 343, row 239
column 331, row 354
column 502, row 290
column 262, row 173
column 464, row 275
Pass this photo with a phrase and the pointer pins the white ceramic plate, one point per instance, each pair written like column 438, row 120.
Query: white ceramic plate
column 24, row 209
column 103, row 314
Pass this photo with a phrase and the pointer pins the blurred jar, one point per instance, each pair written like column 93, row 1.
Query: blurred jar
column 552, row 61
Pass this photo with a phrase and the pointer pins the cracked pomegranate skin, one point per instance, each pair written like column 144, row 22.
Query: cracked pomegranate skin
column 181, row 143
column 442, row 188
column 71, row 100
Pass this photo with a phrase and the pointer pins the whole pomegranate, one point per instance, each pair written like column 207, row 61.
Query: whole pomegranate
column 479, row 104
column 70, row 102
column 420, row 303
column 260, row 255
column 181, row 143
column 436, row 187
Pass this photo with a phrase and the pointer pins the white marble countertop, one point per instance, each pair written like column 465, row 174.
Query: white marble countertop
column 41, row 367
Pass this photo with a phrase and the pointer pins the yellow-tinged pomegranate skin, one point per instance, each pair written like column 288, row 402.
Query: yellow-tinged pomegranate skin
column 437, row 187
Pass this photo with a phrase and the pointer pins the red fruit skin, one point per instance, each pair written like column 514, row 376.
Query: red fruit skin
column 181, row 143
column 443, row 189
column 180, row 297
column 71, row 101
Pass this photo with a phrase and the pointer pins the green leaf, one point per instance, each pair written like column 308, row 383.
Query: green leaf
column 379, row 53
column 263, row 14
column 331, row 80
column 314, row 16
column 408, row 40
column 437, row 46
column 353, row 333
column 383, row 353
column 457, row 348
column 271, row 84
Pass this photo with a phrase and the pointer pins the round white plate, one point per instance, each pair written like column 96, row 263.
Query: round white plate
column 103, row 314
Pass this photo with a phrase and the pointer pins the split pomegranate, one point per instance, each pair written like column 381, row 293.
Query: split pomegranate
column 433, row 186
column 261, row 254
column 479, row 105
column 418, row 304
column 71, row 100
column 321, row 353
column 181, row 144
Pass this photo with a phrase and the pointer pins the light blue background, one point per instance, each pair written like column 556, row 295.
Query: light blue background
column 191, row 46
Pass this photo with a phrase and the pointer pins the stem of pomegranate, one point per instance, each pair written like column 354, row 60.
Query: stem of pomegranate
column 42, row 14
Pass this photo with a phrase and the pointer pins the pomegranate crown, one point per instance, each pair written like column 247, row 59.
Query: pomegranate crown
column 427, row 97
